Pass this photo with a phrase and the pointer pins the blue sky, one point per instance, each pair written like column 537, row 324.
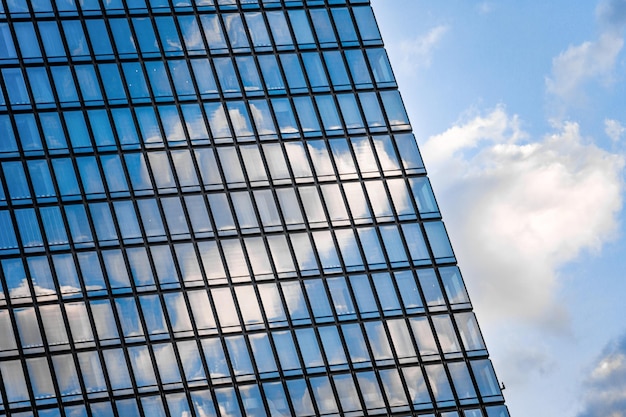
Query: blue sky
column 520, row 113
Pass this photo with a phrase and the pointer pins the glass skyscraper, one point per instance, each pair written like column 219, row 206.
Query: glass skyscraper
column 217, row 208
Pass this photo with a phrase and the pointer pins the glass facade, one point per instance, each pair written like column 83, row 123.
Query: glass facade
column 217, row 208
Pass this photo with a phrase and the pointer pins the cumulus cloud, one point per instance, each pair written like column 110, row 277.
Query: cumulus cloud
column 591, row 60
column 614, row 129
column 417, row 52
column 518, row 210
column 605, row 387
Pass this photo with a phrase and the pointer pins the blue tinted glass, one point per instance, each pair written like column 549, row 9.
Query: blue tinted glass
column 29, row 227
column 75, row 37
column 145, row 36
column 439, row 242
column 28, row 132
column 364, row 297
column 88, row 83
column 315, row 70
column 6, row 130
column 124, row 40
column 226, row 75
column 77, row 128
column 125, row 126
column 135, row 81
column 158, row 79
column 65, row 176
column 258, row 31
column 301, row 27
column 51, row 38
column 293, row 72
column 29, row 47
column 7, row 49
column 169, row 35
column 380, row 67
column 280, row 30
column 15, row 85
column 367, row 25
column 64, row 82
column 343, row 23
column 249, row 74
column 78, row 223
column 40, row 85
column 213, row 33
column 323, row 27
column 204, row 77
column 113, row 85
column 337, row 69
column 41, row 179
column 191, row 35
column 236, row 33
column 319, row 300
column 271, row 73
column 16, row 180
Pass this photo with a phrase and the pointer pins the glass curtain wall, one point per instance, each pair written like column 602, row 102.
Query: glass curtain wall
column 217, row 208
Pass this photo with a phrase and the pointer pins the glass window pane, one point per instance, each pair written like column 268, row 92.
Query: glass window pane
column 66, row 376
column 318, row 299
column 16, row 389
column 257, row 30
column 280, row 30
column 40, row 378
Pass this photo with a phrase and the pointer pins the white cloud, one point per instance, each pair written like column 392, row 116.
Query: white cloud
column 614, row 129
column 417, row 52
column 582, row 63
column 605, row 388
column 591, row 60
column 517, row 211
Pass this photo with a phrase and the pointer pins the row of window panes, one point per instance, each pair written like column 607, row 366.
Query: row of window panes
column 41, row 181
column 308, row 111
column 362, row 210
column 174, row 129
column 368, row 157
column 177, row 323
column 309, row 360
column 44, row 8
column 137, row 260
column 393, row 381
column 54, row 230
column 349, row 297
column 144, row 41
column 203, row 402
column 248, row 206
column 159, row 74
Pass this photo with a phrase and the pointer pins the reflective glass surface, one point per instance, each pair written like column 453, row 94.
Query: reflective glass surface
column 218, row 208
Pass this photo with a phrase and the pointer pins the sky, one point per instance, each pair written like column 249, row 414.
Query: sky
column 519, row 109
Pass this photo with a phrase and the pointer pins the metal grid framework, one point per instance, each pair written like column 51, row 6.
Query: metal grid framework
column 217, row 208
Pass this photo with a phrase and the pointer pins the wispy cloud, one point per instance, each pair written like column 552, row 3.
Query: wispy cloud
column 514, row 208
column 612, row 14
column 592, row 60
column 614, row 129
column 606, row 386
column 417, row 52
column 582, row 63
column 485, row 7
